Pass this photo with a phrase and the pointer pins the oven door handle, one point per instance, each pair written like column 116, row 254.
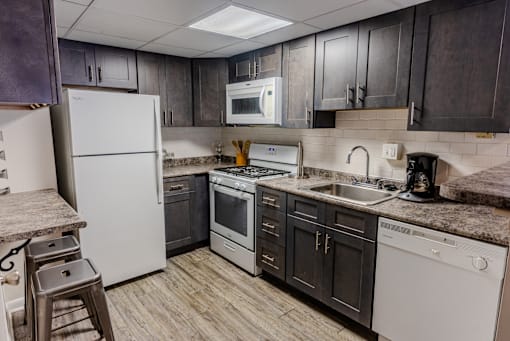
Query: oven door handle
column 232, row 192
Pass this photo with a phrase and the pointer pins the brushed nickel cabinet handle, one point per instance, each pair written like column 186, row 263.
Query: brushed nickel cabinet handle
column 268, row 199
column 249, row 69
column 317, row 242
column 176, row 187
column 326, row 244
column 221, row 117
column 164, row 118
column 171, row 117
column 3, row 173
column 271, row 233
column 5, row 191
column 411, row 110
column 90, row 73
column 269, row 264
column 99, row 74
column 359, row 89
column 2, row 154
column 269, row 226
column 267, row 257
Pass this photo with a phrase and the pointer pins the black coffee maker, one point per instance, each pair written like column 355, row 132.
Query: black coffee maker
column 421, row 176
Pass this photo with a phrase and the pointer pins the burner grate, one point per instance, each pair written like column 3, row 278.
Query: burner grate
column 252, row 171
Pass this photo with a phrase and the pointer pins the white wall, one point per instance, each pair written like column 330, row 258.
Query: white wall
column 190, row 141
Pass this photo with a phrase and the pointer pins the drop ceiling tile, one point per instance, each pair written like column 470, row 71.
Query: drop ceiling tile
column 241, row 47
column 122, row 25
column 196, row 39
column 360, row 11
column 61, row 31
column 172, row 50
column 286, row 33
column 177, row 12
column 297, row 10
column 81, row 2
column 96, row 38
column 212, row 55
column 66, row 13
column 408, row 3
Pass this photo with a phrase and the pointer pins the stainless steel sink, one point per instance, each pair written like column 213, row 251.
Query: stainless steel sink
column 353, row 193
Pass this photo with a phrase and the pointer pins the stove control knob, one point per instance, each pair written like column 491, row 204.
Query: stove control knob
column 236, row 185
column 480, row 263
column 243, row 187
column 214, row 179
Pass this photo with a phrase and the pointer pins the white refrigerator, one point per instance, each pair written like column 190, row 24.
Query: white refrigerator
column 109, row 168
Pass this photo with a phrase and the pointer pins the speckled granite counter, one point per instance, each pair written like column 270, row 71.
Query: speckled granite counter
column 472, row 221
column 171, row 172
column 489, row 187
column 37, row 213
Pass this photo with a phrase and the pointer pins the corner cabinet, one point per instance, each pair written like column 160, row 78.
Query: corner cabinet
column 209, row 92
column 85, row 64
column 29, row 64
column 262, row 63
column 460, row 76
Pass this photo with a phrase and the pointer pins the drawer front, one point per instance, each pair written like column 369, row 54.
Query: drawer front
column 355, row 222
column 271, row 225
column 271, row 258
column 178, row 185
column 271, row 198
column 305, row 208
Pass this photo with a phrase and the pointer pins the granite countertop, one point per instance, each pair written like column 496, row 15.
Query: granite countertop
column 472, row 221
column 37, row 213
column 489, row 187
column 174, row 171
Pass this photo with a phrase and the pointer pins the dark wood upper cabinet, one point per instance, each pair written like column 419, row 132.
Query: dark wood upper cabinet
column 348, row 281
column 209, row 91
column 335, row 69
column 115, row 67
column 29, row 68
column 460, row 75
column 179, row 91
column 384, row 60
column 152, row 79
column 77, row 62
column 262, row 63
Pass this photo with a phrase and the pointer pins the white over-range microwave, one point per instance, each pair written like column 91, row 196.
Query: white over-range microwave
column 255, row 102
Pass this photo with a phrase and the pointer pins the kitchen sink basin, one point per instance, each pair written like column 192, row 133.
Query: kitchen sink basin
column 353, row 193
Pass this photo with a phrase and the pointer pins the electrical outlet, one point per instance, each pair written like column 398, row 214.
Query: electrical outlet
column 391, row 151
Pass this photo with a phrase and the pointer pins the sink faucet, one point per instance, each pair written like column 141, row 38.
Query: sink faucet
column 368, row 159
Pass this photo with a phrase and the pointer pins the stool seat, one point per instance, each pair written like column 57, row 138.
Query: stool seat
column 46, row 250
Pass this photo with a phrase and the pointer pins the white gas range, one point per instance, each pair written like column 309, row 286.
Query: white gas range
column 232, row 201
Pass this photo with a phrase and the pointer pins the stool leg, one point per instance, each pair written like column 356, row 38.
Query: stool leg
column 44, row 316
column 86, row 297
column 101, row 308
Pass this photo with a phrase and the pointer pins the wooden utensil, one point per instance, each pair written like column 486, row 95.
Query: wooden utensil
column 236, row 146
column 246, row 147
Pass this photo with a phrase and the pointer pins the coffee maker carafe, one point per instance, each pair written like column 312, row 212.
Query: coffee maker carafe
column 421, row 176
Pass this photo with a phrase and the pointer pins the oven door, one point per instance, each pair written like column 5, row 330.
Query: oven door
column 232, row 214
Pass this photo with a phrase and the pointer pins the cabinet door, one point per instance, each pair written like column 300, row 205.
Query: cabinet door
column 200, row 209
column 179, row 91
column 77, row 63
column 151, row 79
column 209, row 92
column 29, row 70
column 456, row 65
column 335, row 68
column 304, row 256
column 268, row 62
column 115, row 67
column 298, row 82
column 384, row 60
column 178, row 221
column 241, row 68
column 348, row 282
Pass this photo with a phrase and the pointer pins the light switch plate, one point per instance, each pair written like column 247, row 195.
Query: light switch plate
column 392, row 151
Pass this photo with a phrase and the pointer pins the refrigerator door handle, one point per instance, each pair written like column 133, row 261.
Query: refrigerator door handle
column 159, row 161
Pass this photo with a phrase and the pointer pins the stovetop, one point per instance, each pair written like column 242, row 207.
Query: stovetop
column 253, row 172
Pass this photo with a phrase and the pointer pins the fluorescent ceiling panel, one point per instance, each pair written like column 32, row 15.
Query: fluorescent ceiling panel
column 239, row 22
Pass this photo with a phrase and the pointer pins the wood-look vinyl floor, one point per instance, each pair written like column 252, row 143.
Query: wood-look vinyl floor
column 200, row 296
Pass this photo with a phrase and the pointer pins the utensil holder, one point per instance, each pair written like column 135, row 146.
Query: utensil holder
column 240, row 159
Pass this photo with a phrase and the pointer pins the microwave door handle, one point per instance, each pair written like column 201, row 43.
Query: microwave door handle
column 261, row 101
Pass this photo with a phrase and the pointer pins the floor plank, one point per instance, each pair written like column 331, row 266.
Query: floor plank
column 201, row 296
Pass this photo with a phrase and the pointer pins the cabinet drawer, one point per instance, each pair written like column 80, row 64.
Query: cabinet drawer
column 172, row 186
column 355, row 222
column 271, row 258
column 271, row 198
column 305, row 208
column 271, row 225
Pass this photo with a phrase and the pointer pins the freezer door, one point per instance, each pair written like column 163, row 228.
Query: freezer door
column 112, row 123
column 119, row 197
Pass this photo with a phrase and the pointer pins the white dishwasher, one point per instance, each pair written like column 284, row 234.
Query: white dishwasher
column 436, row 286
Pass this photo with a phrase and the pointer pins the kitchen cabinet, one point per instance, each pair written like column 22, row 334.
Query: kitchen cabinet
column 209, row 92
column 97, row 65
column 29, row 64
column 152, row 78
column 178, row 92
column 460, row 74
column 186, row 212
column 262, row 63
column 366, row 64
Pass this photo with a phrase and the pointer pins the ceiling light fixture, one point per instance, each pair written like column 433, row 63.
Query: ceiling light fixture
column 239, row 22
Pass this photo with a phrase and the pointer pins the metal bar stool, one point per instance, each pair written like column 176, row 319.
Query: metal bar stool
column 42, row 253
column 79, row 277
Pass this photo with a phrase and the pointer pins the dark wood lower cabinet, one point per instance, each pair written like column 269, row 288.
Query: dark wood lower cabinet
column 348, row 279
